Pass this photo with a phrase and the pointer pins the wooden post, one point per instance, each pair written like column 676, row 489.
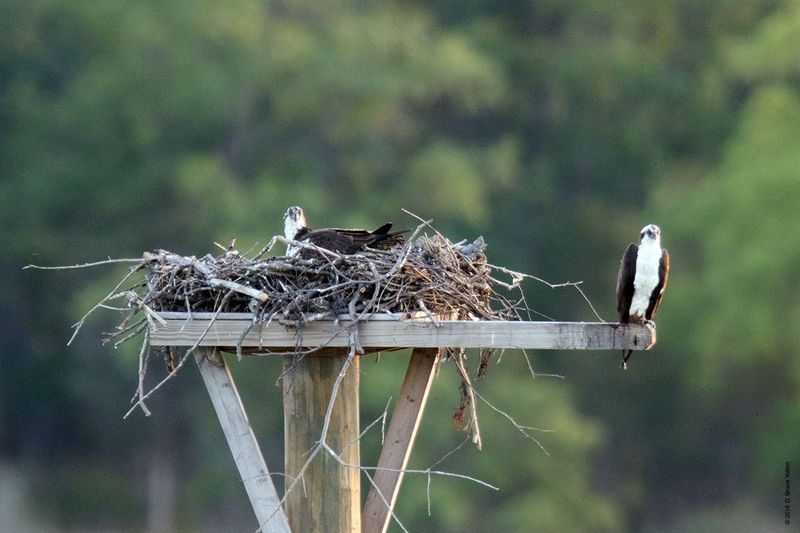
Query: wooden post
column 241, row 440
column 328, row 497
column 400, row 439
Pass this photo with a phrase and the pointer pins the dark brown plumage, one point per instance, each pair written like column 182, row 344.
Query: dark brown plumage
column 338, row 240
column 348, row 241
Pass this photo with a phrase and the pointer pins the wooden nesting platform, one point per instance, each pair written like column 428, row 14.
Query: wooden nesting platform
column 230, row 330
column 330, row 497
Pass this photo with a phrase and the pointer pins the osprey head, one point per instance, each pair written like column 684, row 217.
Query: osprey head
column 293, row 221
column 651, row 232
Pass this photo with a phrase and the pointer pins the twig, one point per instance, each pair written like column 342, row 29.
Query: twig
column 522, row 429
column 83, row 265
column 384, row 500
column 474, row 430
column 183, row 359
column 142, row 370
column 109, row 296
column 518, row 276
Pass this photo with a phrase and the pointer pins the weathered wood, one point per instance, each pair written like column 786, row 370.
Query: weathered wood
column 227, row 331
column 328, row 497
column 241, row 440
column 399, row 439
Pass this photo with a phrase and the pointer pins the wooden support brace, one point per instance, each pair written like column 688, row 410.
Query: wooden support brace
column 399, row 439
column 241, row 441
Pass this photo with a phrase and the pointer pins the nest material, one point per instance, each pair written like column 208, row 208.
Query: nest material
column 429, row 275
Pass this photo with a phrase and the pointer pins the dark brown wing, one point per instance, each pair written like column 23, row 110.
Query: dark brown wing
column 350, row 241
column 658, row 291
column 336, row 241
column 625, row 276
column 381, row 238
column 384, row 239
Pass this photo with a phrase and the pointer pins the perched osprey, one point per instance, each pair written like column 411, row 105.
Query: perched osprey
column 642, row 278
column 343, row 241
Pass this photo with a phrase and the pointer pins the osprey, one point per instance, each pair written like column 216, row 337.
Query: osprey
column 343, row 241
column 641, row 280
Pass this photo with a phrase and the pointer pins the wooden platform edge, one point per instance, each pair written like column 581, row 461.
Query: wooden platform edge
column 239, row 330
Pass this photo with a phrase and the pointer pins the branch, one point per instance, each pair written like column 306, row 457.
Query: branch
column 109, row 296
column 183, row 359
column 83, row 265
column 518, row 276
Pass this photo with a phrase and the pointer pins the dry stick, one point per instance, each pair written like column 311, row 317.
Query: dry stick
column 291, row 242
column 381, row 418
column 384, row 500
column 383, row 423
column 112, row 308
column 334, row 391
column 84, row 265
column 238, row 287
column 267, row 247
column 185, row 356
column 109, row 296
column 428, row 472
column 522, row 429
column 533, row 373
column 475, row 431
column 133, row 331
column 151, row 315
column 440, row 460
column 517, row 276
column 101, row 304
column 142, row 369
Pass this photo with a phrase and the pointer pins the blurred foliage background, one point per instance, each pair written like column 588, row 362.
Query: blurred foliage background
column 555, row 129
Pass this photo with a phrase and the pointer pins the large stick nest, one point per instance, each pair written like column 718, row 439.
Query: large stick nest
column 429, row 275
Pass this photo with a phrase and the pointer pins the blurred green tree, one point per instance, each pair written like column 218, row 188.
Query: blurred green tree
column 544, row 126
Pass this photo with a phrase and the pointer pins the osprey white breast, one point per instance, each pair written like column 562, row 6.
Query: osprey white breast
column 293, row 221
column 646, row 278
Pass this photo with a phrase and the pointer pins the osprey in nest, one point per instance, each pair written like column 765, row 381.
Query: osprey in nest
column 342, row 241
